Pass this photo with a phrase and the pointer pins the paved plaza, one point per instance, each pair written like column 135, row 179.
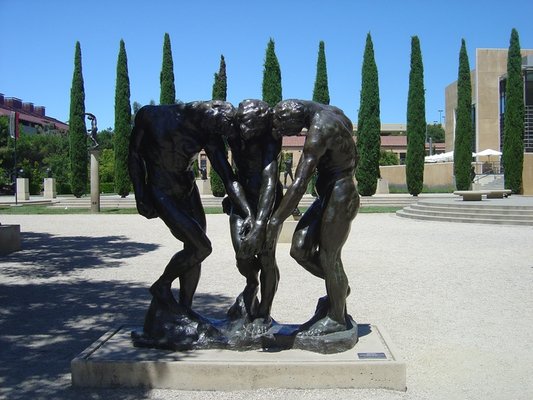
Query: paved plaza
column 456, row 300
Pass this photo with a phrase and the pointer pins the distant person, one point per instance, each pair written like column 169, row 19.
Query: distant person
column 322, row 231
column 288, row 171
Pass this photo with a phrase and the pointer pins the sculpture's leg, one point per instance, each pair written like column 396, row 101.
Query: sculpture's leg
column 269, row 284
column 188, row 226
column 304, row 248
column 339, row 212
column 248, row 267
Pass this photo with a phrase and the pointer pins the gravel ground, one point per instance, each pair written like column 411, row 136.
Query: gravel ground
column 456, row 300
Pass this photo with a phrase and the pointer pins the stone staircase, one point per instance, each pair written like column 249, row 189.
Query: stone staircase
column 113, row 201
column 499, row 212
column 488, row 182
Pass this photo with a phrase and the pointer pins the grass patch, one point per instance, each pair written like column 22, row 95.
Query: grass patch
column 378, row 209
column 402, row 189
column 46, row 210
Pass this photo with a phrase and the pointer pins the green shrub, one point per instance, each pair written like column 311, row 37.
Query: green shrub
column 217, row 187
column 107, row 187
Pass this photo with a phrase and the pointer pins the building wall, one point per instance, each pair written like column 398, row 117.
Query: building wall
column 527, row 174
column 450, row 95
column 435, row 175
column 490, row 65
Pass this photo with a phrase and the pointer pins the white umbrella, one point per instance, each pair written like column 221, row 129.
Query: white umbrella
column 488, row 152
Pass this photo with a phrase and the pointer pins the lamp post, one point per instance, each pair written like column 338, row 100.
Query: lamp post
column 440, row 116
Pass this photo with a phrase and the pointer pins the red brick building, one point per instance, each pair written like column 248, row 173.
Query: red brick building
column 32, row 118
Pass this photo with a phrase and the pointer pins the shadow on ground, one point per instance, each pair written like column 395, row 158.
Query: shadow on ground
column 43, row 326
column 51, row 255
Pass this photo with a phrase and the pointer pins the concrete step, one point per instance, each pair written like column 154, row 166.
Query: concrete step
column 472, row 210
column 511, row 211
column 480, row 215
column 211, row 201
column 463, row 219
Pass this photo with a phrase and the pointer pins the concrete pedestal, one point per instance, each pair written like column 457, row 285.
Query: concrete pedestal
column 204, row 186
column 9, row 239
column 23, row 189
column 112, row 361
column 287, row 230
column 95, row 181
column 383, row 186
column 50, row 188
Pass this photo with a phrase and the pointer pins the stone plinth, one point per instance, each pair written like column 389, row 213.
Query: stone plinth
column 50, row 188
column 23, row 189
column 9, row 239
column 95, row 181
column 287, row 230
column 113, row 361
column 382, row 187
column 204, row 186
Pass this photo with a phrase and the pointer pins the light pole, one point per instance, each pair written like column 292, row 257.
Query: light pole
column 440, row 116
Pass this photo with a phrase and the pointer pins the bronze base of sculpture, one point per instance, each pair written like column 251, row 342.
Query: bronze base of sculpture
column 188, row 330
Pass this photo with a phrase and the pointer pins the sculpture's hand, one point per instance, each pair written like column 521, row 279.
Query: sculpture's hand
column 253, row 242
column 247, row 226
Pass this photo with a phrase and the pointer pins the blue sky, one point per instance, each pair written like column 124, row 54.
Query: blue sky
column 37, row 48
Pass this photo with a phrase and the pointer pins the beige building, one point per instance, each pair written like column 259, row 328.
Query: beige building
column 488, row 101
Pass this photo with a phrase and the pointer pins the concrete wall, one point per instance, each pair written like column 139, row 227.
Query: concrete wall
column 490, row 65
column 527, row 174
column 435, row 175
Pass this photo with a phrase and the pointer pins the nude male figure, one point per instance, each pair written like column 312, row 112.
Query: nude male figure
column 322, row 231
column 255, row 154
column 164, row 143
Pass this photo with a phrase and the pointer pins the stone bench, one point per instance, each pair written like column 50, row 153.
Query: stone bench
column 471, row 195
column 9, row 239
column 498, row 193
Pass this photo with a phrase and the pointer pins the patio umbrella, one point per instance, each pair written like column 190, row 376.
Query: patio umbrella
column 488, row 152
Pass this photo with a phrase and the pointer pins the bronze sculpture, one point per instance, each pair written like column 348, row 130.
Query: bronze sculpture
column 255, row 153
column 165, row 142
column 321, row 232
column 92, row 133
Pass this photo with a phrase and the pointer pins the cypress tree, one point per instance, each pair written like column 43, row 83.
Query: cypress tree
column 321, row 91
column 368, row 125
column 462, row 152
column 77, row 130
column 168, row 91
column 271, row 76
column 220, row 86
column 122, row 124
column 513, row 122
column 219, row 93
column 416, row 122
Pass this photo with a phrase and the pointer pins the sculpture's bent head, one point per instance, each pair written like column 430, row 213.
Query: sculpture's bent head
column 254, row 118
column 220, row 117
column 290, row 117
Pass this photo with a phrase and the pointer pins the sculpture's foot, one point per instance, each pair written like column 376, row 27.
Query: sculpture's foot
column 238, row 309
column 258, row 326
column 163, row 293
column 322, row 327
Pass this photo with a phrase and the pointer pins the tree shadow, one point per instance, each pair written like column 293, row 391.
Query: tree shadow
column 51, row 255
column 43, row 326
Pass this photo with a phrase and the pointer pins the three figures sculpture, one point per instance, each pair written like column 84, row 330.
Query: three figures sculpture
column 164, row 143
